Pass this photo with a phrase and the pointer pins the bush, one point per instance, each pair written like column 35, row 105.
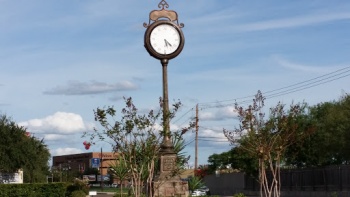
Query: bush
column 195, row 183
column 77, row 185
column 78, row 193
column 239, row 195
column 33, row 190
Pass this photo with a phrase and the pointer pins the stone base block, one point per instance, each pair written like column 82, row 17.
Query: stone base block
column 169, row 188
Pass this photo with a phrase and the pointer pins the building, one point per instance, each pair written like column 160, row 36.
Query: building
column 82, row 161
column 16, row 177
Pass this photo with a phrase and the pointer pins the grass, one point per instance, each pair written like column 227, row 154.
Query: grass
column 109, row 189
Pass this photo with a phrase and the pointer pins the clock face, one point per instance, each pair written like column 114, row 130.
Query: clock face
column 165, row 39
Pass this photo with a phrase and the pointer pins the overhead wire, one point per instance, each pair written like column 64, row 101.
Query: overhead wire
column 326, row 78
column 190, row 142
column 191, row 109
column 332, row 76
column 214, row 140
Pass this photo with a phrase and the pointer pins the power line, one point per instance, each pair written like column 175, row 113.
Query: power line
column 183, row 115
column 307, row 86
column 313, row 79
column 335, row 75
column 211, row 137
column 213, row 140
column 190, row 142
column 210, row 129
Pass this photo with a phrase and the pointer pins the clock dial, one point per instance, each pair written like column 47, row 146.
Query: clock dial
column 165, row 39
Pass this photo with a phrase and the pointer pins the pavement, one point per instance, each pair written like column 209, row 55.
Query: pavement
column 102, row 194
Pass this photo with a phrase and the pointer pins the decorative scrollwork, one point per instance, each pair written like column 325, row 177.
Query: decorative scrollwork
column 163, row 4
column 156, row 15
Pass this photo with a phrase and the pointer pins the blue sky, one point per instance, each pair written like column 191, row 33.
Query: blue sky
column 60, row 60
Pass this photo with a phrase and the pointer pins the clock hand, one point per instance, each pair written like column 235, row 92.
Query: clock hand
column 167, row 43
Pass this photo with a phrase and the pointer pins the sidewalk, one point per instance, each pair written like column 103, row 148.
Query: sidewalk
column 102, row 194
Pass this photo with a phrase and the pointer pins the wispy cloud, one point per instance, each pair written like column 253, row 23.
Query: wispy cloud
column 293, row 22
column 228, row 23
column 302, row 67
column 93, row 87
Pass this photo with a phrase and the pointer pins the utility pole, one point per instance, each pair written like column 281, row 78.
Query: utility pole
column 196, row 148
column 101, row 161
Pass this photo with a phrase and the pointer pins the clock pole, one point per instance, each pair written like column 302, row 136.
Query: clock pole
column 165, row 46
column 166, row 145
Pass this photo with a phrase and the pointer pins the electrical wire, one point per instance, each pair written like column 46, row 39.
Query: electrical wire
column 183, row 115
column 335, row 75
column 190, row 142
column 214, row 140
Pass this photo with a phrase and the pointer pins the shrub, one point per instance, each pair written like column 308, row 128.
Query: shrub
column 78, row 193
column 77, row 185
column 33, row 190
column 239, row 195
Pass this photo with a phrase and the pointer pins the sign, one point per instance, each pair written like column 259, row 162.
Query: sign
column 90, row 177
column 105, row 177
column 16, row 177
column 95, row 162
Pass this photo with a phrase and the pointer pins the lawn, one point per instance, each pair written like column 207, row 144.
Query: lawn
column 109, row 189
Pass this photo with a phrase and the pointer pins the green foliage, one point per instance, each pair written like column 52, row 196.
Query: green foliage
column 120, row 169
column 330, row 143
column 195, row 183
column 334, row 194
column 78, row 193
column 239, row 195
column 137, row 138
column 267, row 139
column 77, row 185
column 33, row 190
column 237, row 159
column 19, row 151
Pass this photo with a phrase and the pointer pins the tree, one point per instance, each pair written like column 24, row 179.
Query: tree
column 195, row 183
column 36, row 166
column 120, row 169
column 330, row 144
column 21, row 151
column 136, row 138
column 236, row 159
column 267, row 140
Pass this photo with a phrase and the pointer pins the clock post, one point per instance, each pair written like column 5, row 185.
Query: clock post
column 164, row 41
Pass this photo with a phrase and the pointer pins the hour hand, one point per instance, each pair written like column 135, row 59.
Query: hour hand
column 167, row 43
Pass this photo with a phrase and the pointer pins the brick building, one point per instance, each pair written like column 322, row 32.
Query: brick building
column 82, row 161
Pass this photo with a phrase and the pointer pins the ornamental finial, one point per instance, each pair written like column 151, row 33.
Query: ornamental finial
column 163, row 4
column 162, row 14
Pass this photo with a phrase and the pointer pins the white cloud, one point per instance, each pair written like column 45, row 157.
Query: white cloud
column 226, row 112
column 209, row 137
column 213, row 134
column 65, row 151
column 222, row 113
column 206, row 116
column 60, row 122
column 53, row 137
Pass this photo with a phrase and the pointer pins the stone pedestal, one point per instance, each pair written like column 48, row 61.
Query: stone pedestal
column 165, row 183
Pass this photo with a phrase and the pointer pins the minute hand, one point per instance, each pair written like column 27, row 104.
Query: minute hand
column 167, row 43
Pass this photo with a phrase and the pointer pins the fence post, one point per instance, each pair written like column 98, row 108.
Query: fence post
column 340, row 179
